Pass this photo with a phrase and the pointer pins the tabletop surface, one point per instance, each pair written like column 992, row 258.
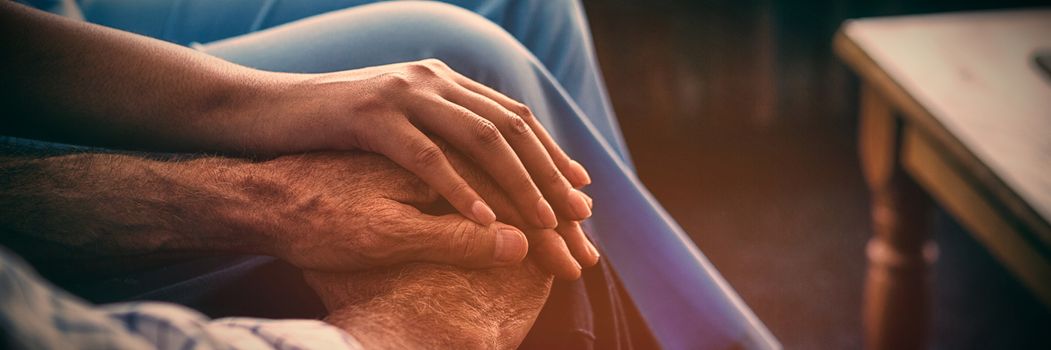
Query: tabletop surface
column 975, row 74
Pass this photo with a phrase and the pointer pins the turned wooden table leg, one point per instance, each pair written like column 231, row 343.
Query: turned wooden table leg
column 895, row 310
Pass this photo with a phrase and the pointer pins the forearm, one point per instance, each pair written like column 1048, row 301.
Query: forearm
column 78, row 207
column 83, row 83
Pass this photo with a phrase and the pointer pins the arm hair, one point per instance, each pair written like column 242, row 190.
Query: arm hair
column 77, row 208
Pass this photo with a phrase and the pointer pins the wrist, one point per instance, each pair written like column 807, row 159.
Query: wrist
column 264, row 113
column 237, row 117
column 243, row 199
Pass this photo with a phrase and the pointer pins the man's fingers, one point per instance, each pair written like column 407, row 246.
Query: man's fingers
column 576, row 173
column 411, row 149
column 480, row 139
column 452, row 239
column 568, row 202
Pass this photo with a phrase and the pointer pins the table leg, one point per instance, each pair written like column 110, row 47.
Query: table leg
column 895, row 310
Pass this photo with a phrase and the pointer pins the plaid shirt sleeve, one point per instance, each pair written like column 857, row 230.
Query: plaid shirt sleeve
column 36, row 315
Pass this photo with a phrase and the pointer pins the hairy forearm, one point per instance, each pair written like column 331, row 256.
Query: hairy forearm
column 83, row 206
column 429, row 306
column 83, row 83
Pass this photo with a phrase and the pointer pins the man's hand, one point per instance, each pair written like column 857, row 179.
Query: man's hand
column 349, row 211
column 318, row 211
column 427, row 306
column 343, row 211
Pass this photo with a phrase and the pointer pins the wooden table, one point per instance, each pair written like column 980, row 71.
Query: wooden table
column 955, row 111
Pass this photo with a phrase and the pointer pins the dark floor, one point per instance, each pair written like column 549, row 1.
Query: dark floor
column 742, row 123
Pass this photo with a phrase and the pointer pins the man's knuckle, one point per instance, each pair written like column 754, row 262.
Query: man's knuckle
column 376, row 254
column 372, row 246
column 463, row 233
column 381, row 242
column 385, row 215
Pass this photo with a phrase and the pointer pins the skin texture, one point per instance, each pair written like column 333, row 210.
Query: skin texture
column 87, row 84
column 326, row 212
column 431, row 306
column 76, row 208
column 138, row 208
column 427, row 306
column 321, row 211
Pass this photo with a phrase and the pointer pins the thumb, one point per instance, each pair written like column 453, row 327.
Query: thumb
column 456, row 240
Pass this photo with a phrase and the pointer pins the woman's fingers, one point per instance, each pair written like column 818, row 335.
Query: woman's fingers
column 568, row 202
column 577, row 246
column 551, row 252
column 581, row 174
column 576, row 173
column 481, row 140
column 411, row 149
column 577, row 242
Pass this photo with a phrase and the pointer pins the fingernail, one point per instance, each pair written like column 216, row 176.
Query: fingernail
column 579, row 203
column 593, row 250
column 591, row 202
column 579, row 173
column 545, row 214
column 509, row 246
column 482, row 213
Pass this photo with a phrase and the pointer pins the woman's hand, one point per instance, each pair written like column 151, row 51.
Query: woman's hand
column 563, row 251
column 104, row 87
column 390, row 109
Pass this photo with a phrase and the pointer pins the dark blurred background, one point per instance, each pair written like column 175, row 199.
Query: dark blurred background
column 742, row 122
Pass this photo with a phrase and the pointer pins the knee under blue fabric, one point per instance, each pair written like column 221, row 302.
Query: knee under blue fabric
column 554, row 31
column 538, row 52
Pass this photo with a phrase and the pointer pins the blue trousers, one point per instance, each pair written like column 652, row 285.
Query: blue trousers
column 538, row 52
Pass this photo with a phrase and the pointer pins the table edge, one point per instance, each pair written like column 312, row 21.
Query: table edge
column 871, row 73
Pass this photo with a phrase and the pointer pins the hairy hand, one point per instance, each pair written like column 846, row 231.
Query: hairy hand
column 431, row 306
column 351, row 211
column 388, row 109
column 427, row 306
